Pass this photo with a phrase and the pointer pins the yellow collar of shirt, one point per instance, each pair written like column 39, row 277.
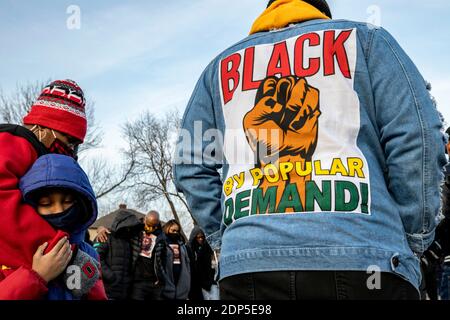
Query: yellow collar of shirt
column 281, row 13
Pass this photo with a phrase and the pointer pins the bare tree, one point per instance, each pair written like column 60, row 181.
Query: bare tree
column 151, row 143
column 15, row 106
column 104, row 178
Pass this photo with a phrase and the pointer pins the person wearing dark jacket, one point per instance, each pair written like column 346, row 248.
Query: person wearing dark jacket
column 145, row 281
column 173, row 263
column 119, row 254
column 435, row 264
column 437, row 256
column 127, row 257
column 443, row 232
column 202, row 272
column 443, row 229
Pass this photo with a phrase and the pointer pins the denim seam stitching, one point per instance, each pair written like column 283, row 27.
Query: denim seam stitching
column 369, row 44
column 424, row 135
column 368, row 53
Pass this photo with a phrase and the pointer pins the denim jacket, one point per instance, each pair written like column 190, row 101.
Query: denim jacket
column 352, row 180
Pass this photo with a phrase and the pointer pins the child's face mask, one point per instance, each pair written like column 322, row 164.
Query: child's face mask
column 61, row 210
column 68, row 220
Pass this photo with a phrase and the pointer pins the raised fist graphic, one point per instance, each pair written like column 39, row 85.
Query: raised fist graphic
column 283, row 126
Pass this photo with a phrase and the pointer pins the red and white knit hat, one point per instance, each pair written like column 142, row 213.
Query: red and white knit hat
column 61, row 107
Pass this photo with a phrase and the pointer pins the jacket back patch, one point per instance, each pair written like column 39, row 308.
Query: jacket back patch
column 292, row 119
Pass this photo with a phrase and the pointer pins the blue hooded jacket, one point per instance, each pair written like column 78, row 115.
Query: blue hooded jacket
column 53, row 170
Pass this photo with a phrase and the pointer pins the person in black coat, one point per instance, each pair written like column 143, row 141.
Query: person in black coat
column 119, row 254
column 443, row 232
column 146, row 285
column 438, row 254
column 173, row 263
column 202, row 272
column 127, row 256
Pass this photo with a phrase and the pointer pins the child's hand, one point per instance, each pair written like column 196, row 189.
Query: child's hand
column 52, row 264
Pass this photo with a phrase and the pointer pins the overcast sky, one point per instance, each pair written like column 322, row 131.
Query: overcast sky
column 132, row 56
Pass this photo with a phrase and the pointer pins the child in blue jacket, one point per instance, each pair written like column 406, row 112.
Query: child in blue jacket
column 61, row 193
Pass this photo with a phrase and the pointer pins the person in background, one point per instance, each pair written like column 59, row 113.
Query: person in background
column 119, row 254
column 202, row 272
column 443, row 231
column 145, row 282
column 173, row 263
column 127, row 257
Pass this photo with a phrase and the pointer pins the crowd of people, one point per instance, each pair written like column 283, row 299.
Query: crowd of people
column 352, row 181
column 145, row 260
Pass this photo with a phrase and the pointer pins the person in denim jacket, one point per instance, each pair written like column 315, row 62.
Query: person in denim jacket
column 311, row 153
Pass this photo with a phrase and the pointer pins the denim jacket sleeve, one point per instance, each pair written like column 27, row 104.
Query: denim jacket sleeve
column 196, row 165
column 410, row 134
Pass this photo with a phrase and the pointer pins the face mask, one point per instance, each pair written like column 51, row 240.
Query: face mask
column 67, row 220
column 60, row 147
column 174, row 236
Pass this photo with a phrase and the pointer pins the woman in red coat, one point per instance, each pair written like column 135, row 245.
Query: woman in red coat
column 62, row 195
column 56, row 123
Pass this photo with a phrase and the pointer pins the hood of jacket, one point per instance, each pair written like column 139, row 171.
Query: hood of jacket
column 194, row 233
column 282, row 13
column 193, row 244
column 53, row 170
column 125, row 219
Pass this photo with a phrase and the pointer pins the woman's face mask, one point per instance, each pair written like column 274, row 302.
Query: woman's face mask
column 174, row 233
column 60, row 147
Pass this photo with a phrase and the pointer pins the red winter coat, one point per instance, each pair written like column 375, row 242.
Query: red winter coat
column 25, row 284
column 22, row 231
